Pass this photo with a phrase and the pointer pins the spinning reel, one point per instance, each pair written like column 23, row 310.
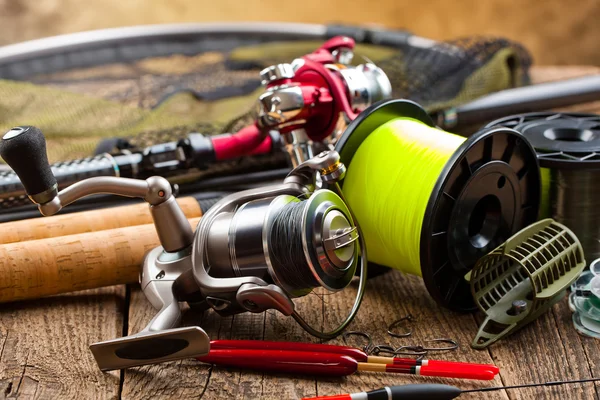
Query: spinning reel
column 252, row 251
column 312, row 99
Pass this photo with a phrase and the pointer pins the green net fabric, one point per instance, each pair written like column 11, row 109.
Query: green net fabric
column 154, row 99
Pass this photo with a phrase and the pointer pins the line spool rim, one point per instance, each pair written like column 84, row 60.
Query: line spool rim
column 562, row 140
column 321, row 268
column 443, row 267
column 320, row 204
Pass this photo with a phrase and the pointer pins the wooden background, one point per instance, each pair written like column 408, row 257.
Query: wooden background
column 556, row 31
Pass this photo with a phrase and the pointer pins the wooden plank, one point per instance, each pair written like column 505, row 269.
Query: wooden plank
column 540, row 74
column 44, row 350
column 589, row 361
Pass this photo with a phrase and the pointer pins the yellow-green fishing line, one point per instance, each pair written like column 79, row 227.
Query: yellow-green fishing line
column 545, row 211
column 388, row 185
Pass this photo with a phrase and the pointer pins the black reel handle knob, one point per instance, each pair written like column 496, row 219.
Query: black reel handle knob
column 24, row 150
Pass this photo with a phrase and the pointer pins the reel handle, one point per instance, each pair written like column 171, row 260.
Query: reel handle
column 24, row 150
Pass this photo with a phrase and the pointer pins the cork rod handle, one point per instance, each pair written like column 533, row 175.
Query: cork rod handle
column 87, row 221
column 38, row 268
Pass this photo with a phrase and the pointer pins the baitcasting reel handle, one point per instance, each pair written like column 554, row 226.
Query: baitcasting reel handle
column 24, row 150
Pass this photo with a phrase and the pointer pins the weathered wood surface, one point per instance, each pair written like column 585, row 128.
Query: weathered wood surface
column 44, row 343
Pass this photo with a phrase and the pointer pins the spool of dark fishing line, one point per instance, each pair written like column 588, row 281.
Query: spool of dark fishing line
column 432, row 203
column 287, row 253
column 310, row 243
column 568, row 149
column 297, row 244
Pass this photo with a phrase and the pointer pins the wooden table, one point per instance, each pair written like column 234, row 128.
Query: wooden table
column 44, row 344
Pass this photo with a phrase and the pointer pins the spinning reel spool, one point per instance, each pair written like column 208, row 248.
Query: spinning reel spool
column 435, row 223
column 238, row 259
column 305, row 106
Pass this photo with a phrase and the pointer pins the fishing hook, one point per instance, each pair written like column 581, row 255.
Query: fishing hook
column 421, row 351
column 417, row 351
column 453, row 345
column 394, row 324
column 367, row 347
column 383, row 349
column 410, row 351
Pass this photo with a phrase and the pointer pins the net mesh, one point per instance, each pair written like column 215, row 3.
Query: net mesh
column 152, row 99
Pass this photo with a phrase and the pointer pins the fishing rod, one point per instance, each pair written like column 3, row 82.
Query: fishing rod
column 539, row 97
column 205, row 187
column 434, row 391
column 100, row 212
column 171, row 160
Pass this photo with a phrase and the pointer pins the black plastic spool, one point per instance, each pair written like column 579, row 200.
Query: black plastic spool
column 488, row 191
column 561, row 140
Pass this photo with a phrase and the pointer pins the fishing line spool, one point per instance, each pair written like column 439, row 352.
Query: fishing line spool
column 524, row 277
column 297, row 244
column 568, row 148
column 431, row 203
column 239, row 258
column 584, row 301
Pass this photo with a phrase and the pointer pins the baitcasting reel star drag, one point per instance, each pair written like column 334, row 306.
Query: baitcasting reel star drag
column 253, row 251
